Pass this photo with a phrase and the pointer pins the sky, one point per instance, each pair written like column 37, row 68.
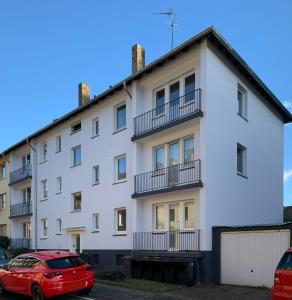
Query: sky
column 48, row 47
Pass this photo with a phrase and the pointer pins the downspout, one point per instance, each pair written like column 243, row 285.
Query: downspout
column 35, row 195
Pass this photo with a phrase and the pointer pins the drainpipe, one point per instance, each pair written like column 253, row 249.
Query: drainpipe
column 35, row 194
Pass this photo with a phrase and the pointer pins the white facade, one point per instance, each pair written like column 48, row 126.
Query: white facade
column 225, row 197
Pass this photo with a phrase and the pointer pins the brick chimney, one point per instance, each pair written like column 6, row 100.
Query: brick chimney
column 84, row 93
column 138, row 58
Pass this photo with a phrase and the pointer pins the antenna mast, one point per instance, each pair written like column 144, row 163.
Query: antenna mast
column 171, row 17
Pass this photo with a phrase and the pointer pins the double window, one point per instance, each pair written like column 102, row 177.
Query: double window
column 2, row 171
column 26, row 230
column 26, row 195
column 3, row 201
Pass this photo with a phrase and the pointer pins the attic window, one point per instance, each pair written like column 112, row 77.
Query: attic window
column 75, row 127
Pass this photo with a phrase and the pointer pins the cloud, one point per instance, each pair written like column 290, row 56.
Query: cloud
column 288, row 104
column 287, row 174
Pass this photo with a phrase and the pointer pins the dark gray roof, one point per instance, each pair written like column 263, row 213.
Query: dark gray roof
column 217, row 40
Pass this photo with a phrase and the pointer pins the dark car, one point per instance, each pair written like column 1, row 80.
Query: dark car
column 4, row 257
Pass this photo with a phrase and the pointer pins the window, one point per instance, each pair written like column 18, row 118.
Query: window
column 26, row 195
column 76, row 201
column 286, row 262
column 26, row 230
column 159, row 102
column 3, row 201
column 58, row 226
column 59, row 185
column 121, row 117
column 44, row 152
column 159, row 217
column 44, row 184
column 76, row 156
column 58, row 144
column 241, row 160
column 188, row 149
column 190, row 87
column 2, row 171
column 159, row 157
column 44, row 227
column 242, row 102
column 66, row 262
column 95, row 173
column 3, row 232
column 121, row 219
column 26, row 160
column 189, row 215
column 121, row 167
column 95, row 222
column 95, row 127
column 75, row 127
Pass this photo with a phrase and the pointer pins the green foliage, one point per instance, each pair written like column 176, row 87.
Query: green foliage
column 4, row 242
column 18, row 251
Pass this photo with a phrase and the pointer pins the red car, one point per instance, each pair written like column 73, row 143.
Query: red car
column 46, row 274
column 282, row 289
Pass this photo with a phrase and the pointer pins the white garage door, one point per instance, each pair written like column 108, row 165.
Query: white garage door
column 249, row 258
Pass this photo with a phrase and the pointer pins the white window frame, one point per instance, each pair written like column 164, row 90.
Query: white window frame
column 73, row 156
column 44, row 184
column 72, row 131
column 185, row 203
column 116, row 168
column 116, row 222
column 58, row 226
column 116, row 129
column 59, row 185
column 3, row 200
column 3, row 169
column 244, row 160
column 244, row 113
column 94, row 227
column 58, row 143
column 95, row 127
column 94, row 180
column 27, row 227
column 155, row 217
column 73, row 202
column 44, row 232
column 44, row 152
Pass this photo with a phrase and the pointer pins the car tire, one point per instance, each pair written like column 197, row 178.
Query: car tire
column 37, row 293
column 2, row 289
column 85, row 291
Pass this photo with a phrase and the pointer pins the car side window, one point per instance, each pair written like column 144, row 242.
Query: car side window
column 286, row 262
column 16, row 263
column 3, row 254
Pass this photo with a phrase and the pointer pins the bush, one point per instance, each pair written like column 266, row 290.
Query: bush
column 4, row 242
column 86, row 257
column 18, row 251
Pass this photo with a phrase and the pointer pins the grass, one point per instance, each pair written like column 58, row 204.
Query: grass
column 142, row 285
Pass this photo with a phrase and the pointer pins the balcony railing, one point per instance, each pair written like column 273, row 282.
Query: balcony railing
column 20, row 243
column 20, row 174
column 20, row 209
column 174, row 241
column 174, row 177
column 168, row 114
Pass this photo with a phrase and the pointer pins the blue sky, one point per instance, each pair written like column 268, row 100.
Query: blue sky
column 48, row 47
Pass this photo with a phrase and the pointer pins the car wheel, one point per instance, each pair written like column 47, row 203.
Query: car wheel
column 37, row 293
column 85, row 291
column 2, row 290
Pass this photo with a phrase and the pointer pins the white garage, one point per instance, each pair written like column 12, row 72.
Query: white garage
column 249, row 258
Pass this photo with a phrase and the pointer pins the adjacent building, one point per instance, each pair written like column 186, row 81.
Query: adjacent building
column 190, row 141
column 4, row 196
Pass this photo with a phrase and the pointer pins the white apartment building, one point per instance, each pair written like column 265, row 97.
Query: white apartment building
column 190, row 141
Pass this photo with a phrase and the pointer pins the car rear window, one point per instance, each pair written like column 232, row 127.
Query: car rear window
column 285, row 262
column 66, row 262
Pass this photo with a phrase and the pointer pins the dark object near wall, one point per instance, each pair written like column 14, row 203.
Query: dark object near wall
column 109, row 275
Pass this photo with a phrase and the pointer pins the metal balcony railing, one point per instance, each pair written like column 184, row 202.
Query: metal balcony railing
column 173, row 241
column 174, row 176
column 21, row 174
column 20, row 243
column 168, row 114
column 20, row 209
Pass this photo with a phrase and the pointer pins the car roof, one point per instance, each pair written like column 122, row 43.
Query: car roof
column 48, row 255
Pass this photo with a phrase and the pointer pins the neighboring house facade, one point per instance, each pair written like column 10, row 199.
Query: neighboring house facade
column 153, row 163
column 4, row 196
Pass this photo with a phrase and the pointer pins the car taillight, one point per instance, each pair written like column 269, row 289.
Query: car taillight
column 276, row 279
column 51, row 275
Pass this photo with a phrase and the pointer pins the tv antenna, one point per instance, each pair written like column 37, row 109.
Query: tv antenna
column 171, row 17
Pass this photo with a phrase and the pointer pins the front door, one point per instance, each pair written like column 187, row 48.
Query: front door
column 174, row 226
column 174, row 101
column 173, row 164
column 75, row 243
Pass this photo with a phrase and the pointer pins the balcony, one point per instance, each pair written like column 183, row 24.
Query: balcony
column 20, row 243
column 167, row 241
column 176, row 177
column 20, row 174
column 167, row 115
column 20, row 210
